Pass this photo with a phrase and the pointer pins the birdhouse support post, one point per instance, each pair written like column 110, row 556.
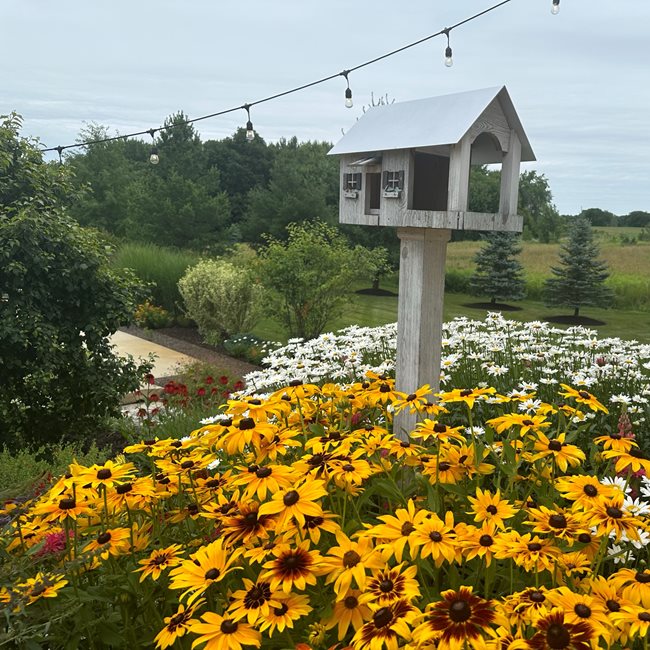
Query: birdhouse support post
column 423, row 253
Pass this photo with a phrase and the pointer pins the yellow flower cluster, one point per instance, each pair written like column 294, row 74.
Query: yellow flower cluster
column 299, row 520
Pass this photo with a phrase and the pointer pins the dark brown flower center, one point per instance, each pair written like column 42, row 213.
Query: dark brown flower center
column 67, row 504
column 187, row 464
column 282, row 610
column 351, row 602
column 466, row 393
column 557, row 521
column 176, row 443
column 439, row 428
column 405, row 444
column 407, row 528
column 103, row 474
column 350, row 559
column 295, row 382
column 614, row 513
column 176, row 620
column 124, row 489
column 104, row 538
column 255, row 402
column 37, row 590
column 527, row 423
column 411, row 397
column 212, row 574
column 558, row 637
column 555, row 445
column 582, row 610
column 244, row 424
column 644, row 616
column 643, row 578
column 292, row 561
column 386, row 586
column 382, row 617
column 584, row 538
column 537, row 597
column 435, row 536
column 384, row 388
column 444, row 466
column 192, row 508
column 584, row 394
column 263, row 472
column 492, row 509
column 613, row 606
column 228, row 626
column 590, row 490
column 460, row 611
column 348, row 467
column 534, row 547
column 486, row 540
column 257, row 595
column 290, row 498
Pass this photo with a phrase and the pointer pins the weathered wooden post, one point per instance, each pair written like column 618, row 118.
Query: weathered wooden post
column 407, row 165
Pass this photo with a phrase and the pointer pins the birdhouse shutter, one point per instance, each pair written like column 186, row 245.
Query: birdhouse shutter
column 401, row 179
column 384, row 180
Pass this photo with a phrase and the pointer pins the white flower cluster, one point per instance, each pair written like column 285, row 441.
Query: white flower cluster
column 532, row 356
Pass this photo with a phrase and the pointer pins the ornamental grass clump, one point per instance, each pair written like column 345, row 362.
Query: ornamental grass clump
column 298, row 520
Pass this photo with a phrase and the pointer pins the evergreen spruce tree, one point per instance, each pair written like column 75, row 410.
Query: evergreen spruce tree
column 580, row 278
column 498, row 274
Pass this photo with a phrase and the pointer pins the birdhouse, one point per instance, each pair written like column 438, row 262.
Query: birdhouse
column 407, row 165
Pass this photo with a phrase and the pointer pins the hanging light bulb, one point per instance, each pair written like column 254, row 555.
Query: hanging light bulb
column 154, row 158
column 250, row 132
column 555, row 8
column 348, row 90
column 448, row 54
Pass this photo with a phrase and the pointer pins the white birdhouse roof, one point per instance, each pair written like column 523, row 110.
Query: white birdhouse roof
column 436, row 121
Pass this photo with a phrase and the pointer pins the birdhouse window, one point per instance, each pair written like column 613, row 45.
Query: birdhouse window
column 393, row 184
column 351, row 185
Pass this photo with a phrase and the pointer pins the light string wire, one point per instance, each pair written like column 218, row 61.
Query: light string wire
column 59, row 149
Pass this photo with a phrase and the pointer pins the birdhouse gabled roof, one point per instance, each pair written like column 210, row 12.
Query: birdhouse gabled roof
column 436, row 121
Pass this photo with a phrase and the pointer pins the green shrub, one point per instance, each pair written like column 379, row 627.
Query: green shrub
column 161, row 267
column 249, row 347
column 457, row 281
column 221, row 298
column 151, row 317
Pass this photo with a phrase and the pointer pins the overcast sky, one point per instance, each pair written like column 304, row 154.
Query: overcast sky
column 580, row 81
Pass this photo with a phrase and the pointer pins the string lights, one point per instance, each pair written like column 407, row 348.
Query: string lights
column 154, row 158
column 348, row 90
column 555, row 7
column 250, row 132
column 448, row 59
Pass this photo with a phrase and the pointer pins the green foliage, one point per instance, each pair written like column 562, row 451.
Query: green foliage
column 151, row 316
column 249, row 348
column 304, row 185
column 498, row 274
column 25, row 471
column 598, row 217
column 221, row 298
column 637, row 218
column 309, row 276
column 161, row 267
column 60, row 302
column 580, row 278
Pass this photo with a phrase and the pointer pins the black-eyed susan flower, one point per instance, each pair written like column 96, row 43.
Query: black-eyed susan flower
column 351, row 473
column 460, row 619
column 160, row 560
column 611, row 599
column 314, row 526
column 297, row 501
column 389, row 585
column 349, row 561
column 434, row 431
column 625, row 462
column 292, row 567
column 246, row 432
column 609, row 516
column 574, row 565
column 633, row 585
column 396, row 531
column 253, row 602
column 561, row 523
column 61, row 508
column 258, row 481
column 222, row 633
column 291, row 608
column 348, row 612
column 581, row 608
column 135, row 495
column 178, row 625
column 531, row 552
column 436, row 538
column 477, row 541
column 634, row 620
column 523, row 608
column 413, row 402
column 42, row 585
column 108, row 474
column 491, row 507
column 246, row 524
column 112, row 541
column 563, row 454
column 616, row 441
column 466, row 395
column 210, row 564
column 387, row 626
column 506, row 639
column 441, row 470
column 584, row 490
column 554, row 633
column 583, row 397
column 525, row 422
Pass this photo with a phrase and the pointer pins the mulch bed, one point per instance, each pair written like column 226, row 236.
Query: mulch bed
column 187, row 340
column 493, row 306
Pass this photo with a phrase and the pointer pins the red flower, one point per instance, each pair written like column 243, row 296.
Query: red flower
column 208, row 380
column 239, row 385
column 200, row 392
column 223, row 380
column 150, row 379
column 153, row 397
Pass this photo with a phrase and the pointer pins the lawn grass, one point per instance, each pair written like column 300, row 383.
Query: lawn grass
column 368, row 310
